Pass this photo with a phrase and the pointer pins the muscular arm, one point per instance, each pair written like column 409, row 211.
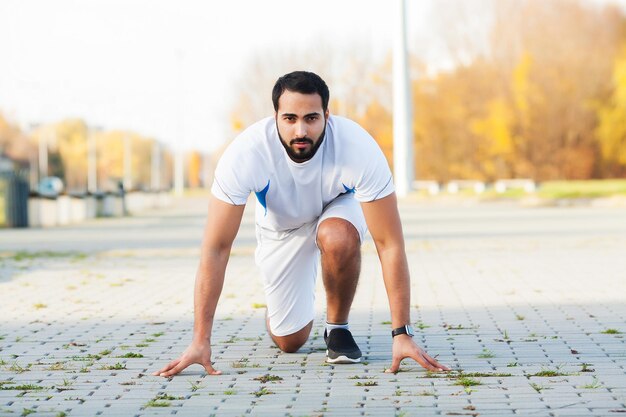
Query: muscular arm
column 383, row 222
column 221, row 228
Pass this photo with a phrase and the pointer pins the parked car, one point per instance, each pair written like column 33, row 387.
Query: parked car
column 50, row 187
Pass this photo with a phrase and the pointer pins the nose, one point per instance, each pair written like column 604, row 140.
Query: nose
column 300, row 130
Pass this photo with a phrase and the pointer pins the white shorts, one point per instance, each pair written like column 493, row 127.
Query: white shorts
column 288, row 262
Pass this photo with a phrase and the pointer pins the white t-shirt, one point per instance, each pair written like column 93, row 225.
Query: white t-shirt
column 291, row 194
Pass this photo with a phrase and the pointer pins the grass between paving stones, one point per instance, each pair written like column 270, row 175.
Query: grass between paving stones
column 162, row 400
column 538, row 387
column 23, row 387
column 611, row 331
column 585, row 367
column 268, row 378
column 467, row 382
column 131, row 355
column 458, row 327
column 366, row 384
column 592, row 385
column 549, row 373
column 194, row 386
column 58, row 366
column 18, row 369
column 486, row 354
column 261, row 392
column 117, row 367
column 244, row 363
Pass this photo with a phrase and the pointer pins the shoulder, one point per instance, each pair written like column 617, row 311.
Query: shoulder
column 343, row 125
column 351, row 137
column 252, row 141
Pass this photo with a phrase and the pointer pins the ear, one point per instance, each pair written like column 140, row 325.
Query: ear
column 326, row 114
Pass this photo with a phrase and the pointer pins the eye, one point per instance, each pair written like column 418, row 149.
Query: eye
column 313, row 118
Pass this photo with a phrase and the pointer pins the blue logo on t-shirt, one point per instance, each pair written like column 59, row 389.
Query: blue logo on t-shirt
column 260, row 195
column 348, row 190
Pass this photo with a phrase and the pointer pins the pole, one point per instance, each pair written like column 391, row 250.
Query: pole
column 92, row 170
column 155, row 183
column 43, row 153
column 402, row 108
column 179, row 173
column 128, row 157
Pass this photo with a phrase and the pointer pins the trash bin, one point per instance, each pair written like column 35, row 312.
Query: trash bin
column 16, row 206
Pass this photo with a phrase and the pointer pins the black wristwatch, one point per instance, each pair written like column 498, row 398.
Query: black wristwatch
column 406, row 329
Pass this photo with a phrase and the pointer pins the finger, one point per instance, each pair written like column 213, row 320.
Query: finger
column 167, row 367
column 435, row 363
column 178, row 368
column 395, row 364
column 421, row 359
column 210, row 370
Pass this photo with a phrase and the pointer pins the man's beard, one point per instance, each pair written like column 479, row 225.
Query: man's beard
column 302, row 155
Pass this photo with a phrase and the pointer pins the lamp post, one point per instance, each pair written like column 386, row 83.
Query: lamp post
column 92, row 165
column 128, row 157
column 402, row 107
column 155, row 173
column 43, row 154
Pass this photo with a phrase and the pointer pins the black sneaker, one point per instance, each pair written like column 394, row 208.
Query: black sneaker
column 341, row 347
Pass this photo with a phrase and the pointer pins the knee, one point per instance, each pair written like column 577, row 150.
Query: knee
column 337, row 236
column 289, row 346
column 292, row 342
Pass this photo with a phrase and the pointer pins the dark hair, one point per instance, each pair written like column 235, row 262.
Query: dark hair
column 301, row 82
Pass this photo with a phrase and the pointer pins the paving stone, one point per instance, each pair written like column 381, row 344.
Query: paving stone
column 507, row 283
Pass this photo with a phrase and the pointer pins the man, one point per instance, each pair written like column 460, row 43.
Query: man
column 320, row 182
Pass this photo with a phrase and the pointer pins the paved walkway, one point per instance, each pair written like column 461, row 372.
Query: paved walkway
column 526, row 304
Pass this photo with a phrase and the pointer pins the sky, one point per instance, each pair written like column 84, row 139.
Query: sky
column 168, row 69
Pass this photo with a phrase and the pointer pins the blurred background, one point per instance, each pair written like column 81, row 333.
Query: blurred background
column 118, row 97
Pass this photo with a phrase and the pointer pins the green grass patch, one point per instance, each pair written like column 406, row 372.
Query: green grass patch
column 582, row 189
column 20, row 256
column 611, row 331
column 23, row 387
column 268, row 378
column 131, row 355
column 465, row 381
column 117, row 367
column 261, row 392
column 486, row 354
column 156, row 403
column 549, row 373
column 366, row 384
column 595, row 384
column 484, row 374
column 538, row 387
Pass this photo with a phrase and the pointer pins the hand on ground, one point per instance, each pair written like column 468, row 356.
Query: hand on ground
column 197, row 352
column 405, row 347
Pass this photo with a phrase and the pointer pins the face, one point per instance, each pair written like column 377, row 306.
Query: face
column 301, row 124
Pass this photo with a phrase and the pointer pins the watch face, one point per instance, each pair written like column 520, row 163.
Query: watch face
column 409, row 330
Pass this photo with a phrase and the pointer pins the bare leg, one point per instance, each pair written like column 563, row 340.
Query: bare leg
column 340, row 246
column 291, row 342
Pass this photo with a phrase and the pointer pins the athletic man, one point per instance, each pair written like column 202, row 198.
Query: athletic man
column 320, row 182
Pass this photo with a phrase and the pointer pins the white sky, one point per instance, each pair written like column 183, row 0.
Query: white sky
column 160, row 67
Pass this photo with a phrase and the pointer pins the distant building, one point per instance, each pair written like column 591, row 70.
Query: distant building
column 6, row 165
